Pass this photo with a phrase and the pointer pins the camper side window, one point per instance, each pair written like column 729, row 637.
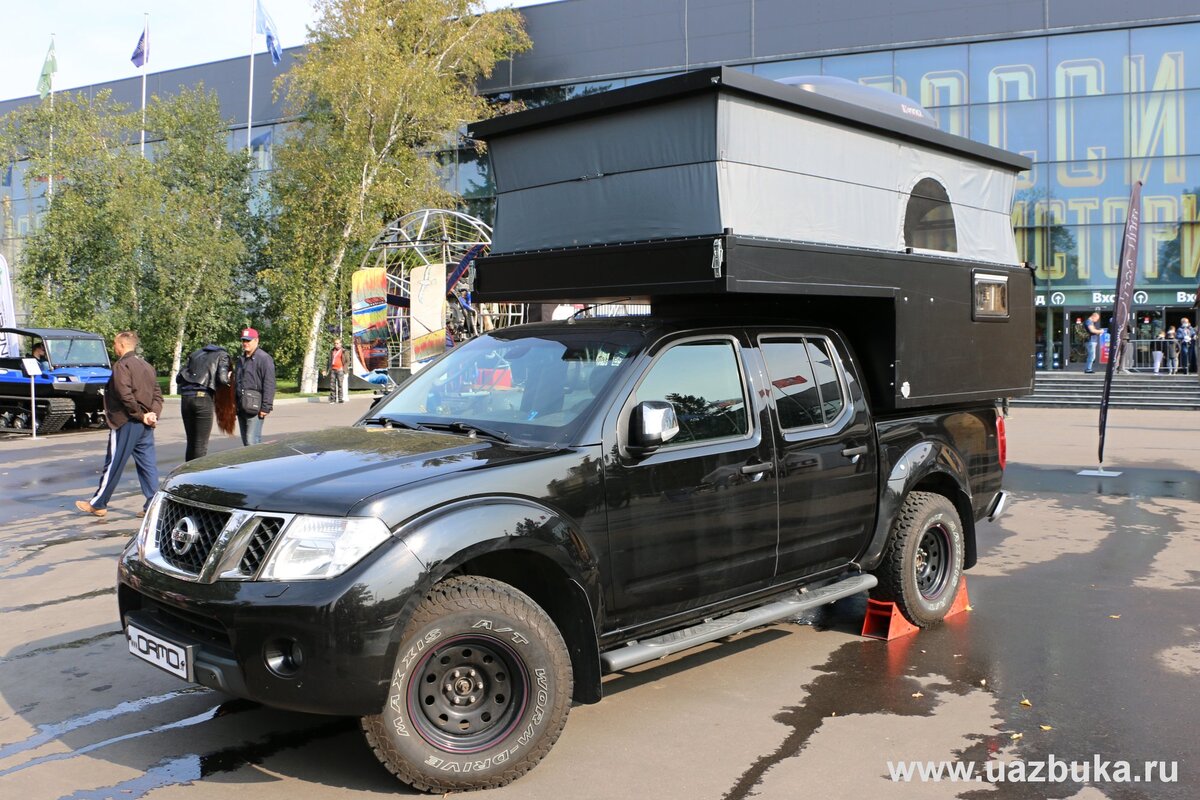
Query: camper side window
column 929, row 218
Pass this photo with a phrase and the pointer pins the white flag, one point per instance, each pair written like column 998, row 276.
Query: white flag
column 8, row 316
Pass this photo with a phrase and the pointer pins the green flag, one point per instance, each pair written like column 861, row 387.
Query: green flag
column 49, row 67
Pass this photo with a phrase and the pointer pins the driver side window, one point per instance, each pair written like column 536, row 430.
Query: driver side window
column 703, row 382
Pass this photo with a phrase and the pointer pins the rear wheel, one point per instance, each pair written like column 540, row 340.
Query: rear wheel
column 923, row 560
column 480, row 690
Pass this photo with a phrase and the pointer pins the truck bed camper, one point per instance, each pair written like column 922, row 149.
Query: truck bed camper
column 811, row 199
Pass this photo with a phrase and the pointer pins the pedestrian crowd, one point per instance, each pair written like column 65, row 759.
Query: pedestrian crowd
column 1168, row 351
column 213, row 387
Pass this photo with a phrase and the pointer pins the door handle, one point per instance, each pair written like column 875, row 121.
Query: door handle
column 755, row 469
column 854, row 453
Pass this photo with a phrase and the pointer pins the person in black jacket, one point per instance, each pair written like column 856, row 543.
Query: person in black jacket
column 132, row 403
column 207, row 370
column 255, row 387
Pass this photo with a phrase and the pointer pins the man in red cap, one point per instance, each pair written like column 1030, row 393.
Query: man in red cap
column 255, row 387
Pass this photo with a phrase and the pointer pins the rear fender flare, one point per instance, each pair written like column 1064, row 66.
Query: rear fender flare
column 929, row 462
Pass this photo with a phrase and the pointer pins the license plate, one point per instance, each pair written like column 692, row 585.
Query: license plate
column 165, row 655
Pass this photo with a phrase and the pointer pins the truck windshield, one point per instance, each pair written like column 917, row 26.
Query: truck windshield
column 534, row 388
column 77, row 352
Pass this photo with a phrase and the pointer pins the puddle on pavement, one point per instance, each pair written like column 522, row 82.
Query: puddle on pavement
column 188, row 769
column 1097, row 655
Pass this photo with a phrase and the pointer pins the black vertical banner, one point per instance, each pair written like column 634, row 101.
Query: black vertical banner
column 1118, row 326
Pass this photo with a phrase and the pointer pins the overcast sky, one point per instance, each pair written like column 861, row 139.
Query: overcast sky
column 93, row 40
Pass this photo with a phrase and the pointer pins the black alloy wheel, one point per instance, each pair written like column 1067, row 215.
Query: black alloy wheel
column 922, row 563
column 480, row 689
column 932, row 563
column 470, row 693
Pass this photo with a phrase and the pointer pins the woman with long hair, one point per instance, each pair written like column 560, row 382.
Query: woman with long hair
column 205, row 386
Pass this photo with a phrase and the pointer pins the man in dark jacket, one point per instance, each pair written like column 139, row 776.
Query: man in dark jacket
column 255, row 387
column 132, row 403
column 206, row 370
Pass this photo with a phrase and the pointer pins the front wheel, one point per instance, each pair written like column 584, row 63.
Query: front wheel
column 923, row 560
column 480, row 691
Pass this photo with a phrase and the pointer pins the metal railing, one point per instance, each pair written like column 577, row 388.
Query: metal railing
column 1157, row 355
column 1138, row 357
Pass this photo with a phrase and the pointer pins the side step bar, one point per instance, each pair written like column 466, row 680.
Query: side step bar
column 661, row 646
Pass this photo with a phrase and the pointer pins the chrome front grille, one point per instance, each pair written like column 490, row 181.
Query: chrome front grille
column 185, row 534
column 259, row 544
column 195, row 541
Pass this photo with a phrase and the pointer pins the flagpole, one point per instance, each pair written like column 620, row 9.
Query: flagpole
column 250, row 94
column 145, row 61
column 50, row 176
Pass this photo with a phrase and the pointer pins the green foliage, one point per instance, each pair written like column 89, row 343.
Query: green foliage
column 164, row 245
column 81, row 268
column 382, row 85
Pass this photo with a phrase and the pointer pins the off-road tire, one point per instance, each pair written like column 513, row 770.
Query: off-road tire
column 473, row 646
column 922, row 564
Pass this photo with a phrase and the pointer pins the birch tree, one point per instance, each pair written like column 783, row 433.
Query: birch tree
column 382, row 84
column 199, row 241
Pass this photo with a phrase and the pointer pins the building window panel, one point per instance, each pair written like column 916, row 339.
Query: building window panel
column 1088, row 63
column 1159, row 55
column 1019, row 127
column 474, row 174
column 788, row 69
column 869, row 69
column 1008, row 70
column 934, row 76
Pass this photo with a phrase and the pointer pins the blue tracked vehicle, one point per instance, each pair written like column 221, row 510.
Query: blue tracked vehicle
column 75, row 368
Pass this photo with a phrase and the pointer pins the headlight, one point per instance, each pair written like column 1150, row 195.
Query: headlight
column 321, row 547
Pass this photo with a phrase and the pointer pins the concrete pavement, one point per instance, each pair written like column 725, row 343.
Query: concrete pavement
column 1084, row 605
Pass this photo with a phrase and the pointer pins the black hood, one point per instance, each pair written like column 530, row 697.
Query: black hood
column 329, row 472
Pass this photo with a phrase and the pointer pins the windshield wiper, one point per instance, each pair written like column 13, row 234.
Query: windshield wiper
column 472, row 429
column 389, row 422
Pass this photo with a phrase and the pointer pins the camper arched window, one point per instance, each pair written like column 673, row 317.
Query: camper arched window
column 929, row 218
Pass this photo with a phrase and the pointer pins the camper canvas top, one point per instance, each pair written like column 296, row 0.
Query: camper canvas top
column 718, row 149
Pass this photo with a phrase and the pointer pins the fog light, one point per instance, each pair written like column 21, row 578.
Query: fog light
column 284, row 657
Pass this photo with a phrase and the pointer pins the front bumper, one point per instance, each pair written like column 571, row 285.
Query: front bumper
column 322, row 646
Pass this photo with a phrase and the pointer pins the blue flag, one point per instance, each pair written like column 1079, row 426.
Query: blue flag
column 141, row 53
column 264, row 24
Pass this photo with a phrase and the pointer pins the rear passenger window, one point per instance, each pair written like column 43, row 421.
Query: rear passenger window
column 704, row 384
column 827, row 379
column 804, row 381
column 792, row 384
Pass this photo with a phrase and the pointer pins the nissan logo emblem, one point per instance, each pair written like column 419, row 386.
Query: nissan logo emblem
column 184, row 535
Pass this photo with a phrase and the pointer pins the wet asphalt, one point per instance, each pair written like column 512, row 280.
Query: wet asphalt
column 1084, row 606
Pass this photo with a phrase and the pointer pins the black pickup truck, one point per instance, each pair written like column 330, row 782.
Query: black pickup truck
column 542, row 506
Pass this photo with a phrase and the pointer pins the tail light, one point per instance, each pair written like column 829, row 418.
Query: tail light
column 1001, row 440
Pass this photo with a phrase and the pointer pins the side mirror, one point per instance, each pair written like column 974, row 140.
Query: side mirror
column 652, row 424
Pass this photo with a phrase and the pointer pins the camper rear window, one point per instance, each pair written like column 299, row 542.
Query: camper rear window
column 991, row 297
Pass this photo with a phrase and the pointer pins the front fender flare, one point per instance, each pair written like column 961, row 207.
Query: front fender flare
column 474, row 529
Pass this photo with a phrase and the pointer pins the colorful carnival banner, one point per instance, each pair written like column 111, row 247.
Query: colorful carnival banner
column 428, row 312
column 369, row 317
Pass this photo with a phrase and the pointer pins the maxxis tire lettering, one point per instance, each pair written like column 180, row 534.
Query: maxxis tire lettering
column 396, row 693
column 445, row 641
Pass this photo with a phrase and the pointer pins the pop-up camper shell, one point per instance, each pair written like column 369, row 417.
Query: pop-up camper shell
column 721, row 189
